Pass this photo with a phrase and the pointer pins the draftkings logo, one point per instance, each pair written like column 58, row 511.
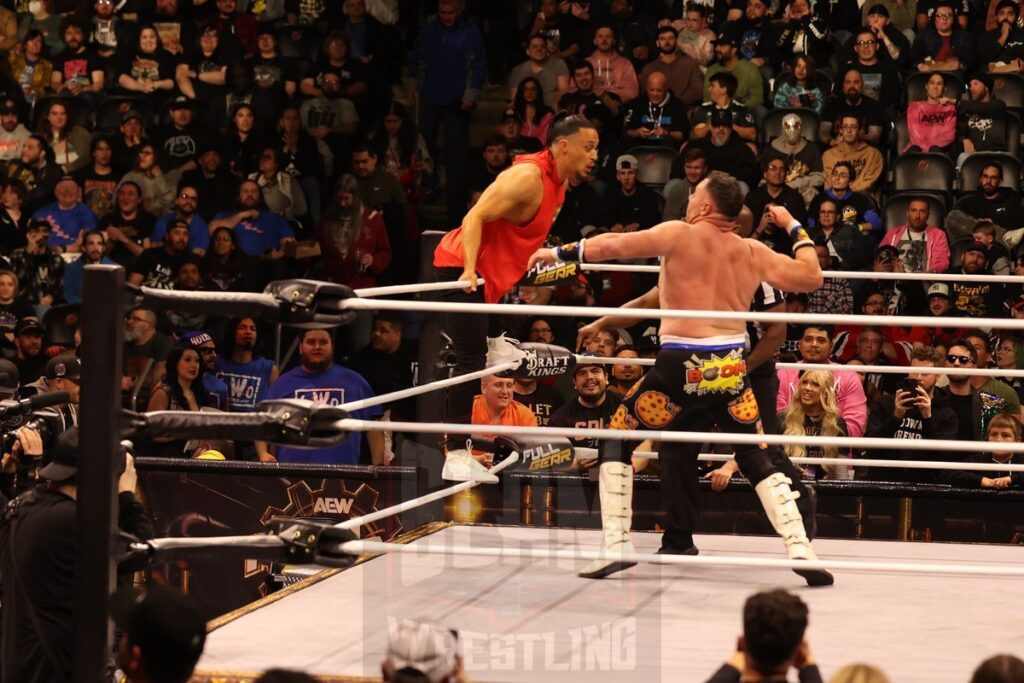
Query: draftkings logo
column 716, row 374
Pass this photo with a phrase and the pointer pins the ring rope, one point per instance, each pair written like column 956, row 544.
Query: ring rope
column 428, row 387
column 358, row 304
column 850, row 462
column 837, row 274
column 354, row 425
column 398, row 508
column 391, row 290
column 833, row 367
column 508, row 552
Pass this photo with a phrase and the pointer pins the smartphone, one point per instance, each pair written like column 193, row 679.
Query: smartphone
column 908, row 385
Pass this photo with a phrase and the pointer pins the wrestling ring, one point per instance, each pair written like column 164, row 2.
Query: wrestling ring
column 920, row 611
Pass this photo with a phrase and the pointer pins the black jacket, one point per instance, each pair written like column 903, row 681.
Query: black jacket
column 883, row 423
column 970, row 479
column 38, row 538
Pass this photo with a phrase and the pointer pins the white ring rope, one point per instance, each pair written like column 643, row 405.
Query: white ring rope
column 398, row 508
column 837, row 274
column 833, row 367
column 844, row 442
column 535, row 554
column 644, row 313
column 391, row 290
column 428, row 387
column 849, row 462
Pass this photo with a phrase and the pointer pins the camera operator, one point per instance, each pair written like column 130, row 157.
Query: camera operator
column 63, row 373
column 38, row 539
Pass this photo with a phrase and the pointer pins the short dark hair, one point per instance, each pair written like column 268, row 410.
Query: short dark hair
column 362, row 145
column 971, row 351
column 495, row 140
column 976, row 333
column 829, row 330
column 86, row 234
column 849, row 167
column 72, row 20
column 565, row 124
column 585, row 65
column 999, row 669
column 998, row 167
column 667, row 28
column 725, row 80
column 726, row 193
column 774, row 623
column 694, row 153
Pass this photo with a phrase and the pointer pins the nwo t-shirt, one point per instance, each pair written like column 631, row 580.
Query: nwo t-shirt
column 334, row 386
column 247, row 382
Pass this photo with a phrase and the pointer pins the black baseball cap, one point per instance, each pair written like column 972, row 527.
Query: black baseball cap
column 28, row 325
column 164, row 623
column 9, row 376
column 63, row 457
column 581, row 362
column 64, row 367
column 181, row 102
column 727, row 37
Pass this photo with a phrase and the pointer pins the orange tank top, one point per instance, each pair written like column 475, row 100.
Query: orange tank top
column 506, row 247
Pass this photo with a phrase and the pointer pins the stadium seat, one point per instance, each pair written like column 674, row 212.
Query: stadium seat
column 1009, row 88
column 655, row 164
column 108, row 115
column 932, row 173
column 914, row 85
column 894, row 213
column 771, row 128
column 972, row 165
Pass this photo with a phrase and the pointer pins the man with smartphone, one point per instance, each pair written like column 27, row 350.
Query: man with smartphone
column 918, row 410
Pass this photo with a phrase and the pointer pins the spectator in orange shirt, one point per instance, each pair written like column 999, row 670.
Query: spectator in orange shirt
column 494, row 405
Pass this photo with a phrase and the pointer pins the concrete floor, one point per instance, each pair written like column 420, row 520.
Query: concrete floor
column 539, row 622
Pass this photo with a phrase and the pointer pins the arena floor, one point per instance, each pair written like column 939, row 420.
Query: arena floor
column 537, row 621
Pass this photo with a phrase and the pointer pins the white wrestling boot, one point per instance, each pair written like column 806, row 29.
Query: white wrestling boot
column 615, row 486
column 779, row 502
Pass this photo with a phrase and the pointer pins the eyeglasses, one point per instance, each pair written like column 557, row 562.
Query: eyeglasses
column 944, row 15
column 134, row 319
column 953, row 359
column 207, row 351
column 190, row 197
column 839, row 174
column 862, row 43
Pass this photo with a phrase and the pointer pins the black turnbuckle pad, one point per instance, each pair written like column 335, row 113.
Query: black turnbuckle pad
column 311, row 304
column 305, row 424
column 308, row 542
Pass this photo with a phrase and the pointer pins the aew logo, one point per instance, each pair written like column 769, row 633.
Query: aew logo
column 549, row 366
column 556, row 273
column 546, row 456
column 335, row 506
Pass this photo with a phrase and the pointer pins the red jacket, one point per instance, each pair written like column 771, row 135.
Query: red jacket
column 344, row 267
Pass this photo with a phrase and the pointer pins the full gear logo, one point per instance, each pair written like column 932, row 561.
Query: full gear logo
column 717, row 374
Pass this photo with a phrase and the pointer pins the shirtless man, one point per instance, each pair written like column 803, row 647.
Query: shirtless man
column 509, row 222
column 700, row 371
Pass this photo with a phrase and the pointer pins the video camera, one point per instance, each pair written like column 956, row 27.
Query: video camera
column 28, row 412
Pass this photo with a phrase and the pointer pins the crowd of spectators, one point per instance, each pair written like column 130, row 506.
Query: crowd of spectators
column 217, row 146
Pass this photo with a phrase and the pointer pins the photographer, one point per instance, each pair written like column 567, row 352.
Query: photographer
column 38, row 539
column 919, row 410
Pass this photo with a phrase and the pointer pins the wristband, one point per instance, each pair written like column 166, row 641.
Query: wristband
column 572, row 252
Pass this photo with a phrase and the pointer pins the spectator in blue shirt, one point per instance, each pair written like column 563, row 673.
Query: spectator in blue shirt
column 185, row 204
column 94, row 246
column 259, row 232
column 318, row 379
column 67, row 216
column 449, row 64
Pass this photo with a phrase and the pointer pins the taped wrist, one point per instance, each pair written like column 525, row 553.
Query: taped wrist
column 572, row 252
column 799, row 235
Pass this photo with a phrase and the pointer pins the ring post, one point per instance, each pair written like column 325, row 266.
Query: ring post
column 100, row 420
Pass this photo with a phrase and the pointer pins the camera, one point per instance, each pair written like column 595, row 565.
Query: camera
column 47, row 423
column 908, row 385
